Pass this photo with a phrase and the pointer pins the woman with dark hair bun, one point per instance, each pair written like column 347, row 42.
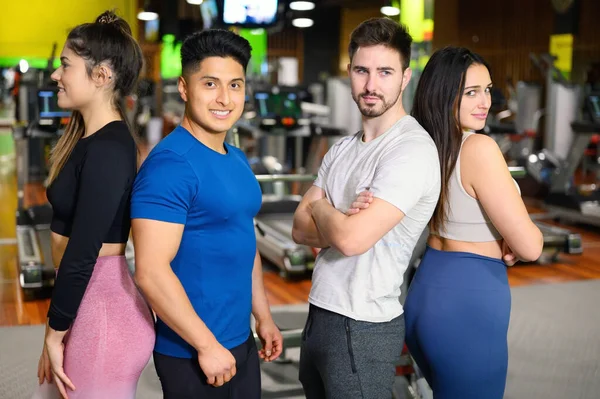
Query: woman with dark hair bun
column 100, row 332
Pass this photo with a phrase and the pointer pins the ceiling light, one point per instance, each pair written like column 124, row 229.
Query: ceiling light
column 195, row 2
column 147, row 16
column 390, row 11
column 302, row 5
column 23, row 66
column 302, row 22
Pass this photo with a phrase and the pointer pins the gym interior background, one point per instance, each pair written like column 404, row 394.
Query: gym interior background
column 545, row 60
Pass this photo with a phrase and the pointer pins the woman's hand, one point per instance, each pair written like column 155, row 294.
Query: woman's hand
column 55, row 349
column 508, row 256
column 44, row 370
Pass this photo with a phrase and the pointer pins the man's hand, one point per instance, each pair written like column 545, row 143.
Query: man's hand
column 361, row 202
column 508, row 256
column 356, row 234
column 271, row 339
column 217, row 363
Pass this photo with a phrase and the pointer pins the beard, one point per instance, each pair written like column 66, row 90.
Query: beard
column 378, row 109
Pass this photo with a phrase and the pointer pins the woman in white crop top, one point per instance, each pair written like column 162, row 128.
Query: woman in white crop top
column 458, row 307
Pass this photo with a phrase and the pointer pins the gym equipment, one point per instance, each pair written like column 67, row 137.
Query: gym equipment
column 274, row 229
column 562, row 106
column 33, row 144
column 516, row 140
column 557, row 240
column 273, row 116
column 279, row 121
column 36, row 271
column 566, row 200
column 566, row 140
column 516, row 137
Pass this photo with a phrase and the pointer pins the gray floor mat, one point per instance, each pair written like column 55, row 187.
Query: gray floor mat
column 554, row 345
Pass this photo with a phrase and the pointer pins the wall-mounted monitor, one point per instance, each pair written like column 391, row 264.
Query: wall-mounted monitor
column 48, row 105
column 250, row 13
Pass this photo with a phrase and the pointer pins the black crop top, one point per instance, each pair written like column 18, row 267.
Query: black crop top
column 90, row 200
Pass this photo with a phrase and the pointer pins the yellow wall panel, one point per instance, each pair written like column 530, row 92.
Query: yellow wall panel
column 28, row 28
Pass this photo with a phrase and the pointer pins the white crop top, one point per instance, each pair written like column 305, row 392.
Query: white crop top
column 466, row 219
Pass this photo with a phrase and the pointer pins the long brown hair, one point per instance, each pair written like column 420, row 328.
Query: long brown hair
column 436, row 107
column 107, row 40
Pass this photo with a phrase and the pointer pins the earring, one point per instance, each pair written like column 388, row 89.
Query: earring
column 110, row 77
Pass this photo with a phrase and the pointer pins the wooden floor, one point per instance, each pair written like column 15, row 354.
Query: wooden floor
column 15, row 310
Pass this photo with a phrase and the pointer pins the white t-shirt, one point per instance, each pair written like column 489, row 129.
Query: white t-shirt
column 401, row 167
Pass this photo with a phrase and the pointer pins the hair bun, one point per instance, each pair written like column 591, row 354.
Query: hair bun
column 107, row 17
column 112, row 19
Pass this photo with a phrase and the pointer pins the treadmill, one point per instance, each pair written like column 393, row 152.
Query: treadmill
column 33, row 143
column 278, row 123
column 565, row 200
column 274, row 224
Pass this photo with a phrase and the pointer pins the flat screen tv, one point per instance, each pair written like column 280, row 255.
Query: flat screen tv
column 250, row 13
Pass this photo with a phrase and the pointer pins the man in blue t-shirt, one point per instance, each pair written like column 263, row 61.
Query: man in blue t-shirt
column 192, row 206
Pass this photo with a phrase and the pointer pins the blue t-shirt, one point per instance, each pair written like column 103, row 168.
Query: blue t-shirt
column 216, row 197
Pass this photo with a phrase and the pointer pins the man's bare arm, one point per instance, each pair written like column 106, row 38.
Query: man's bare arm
column 305, row 230
column 156, row 244
column 260, row 305
column 354, row 235
column 269, row 334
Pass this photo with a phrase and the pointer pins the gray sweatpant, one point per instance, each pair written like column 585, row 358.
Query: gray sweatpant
column 348, row 359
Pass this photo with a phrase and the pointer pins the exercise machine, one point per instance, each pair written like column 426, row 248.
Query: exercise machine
column 569, row 132
column 274, row 229
column 515, row 130
column 275, row 119
column 562, row 106
column 33, row 144
column 566, row 200
column 280, row 122
column 556, row 240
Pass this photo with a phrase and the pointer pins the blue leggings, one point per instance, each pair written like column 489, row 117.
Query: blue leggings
column 457, row 313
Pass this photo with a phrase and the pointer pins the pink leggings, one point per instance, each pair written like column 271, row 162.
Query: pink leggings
column 111, row 340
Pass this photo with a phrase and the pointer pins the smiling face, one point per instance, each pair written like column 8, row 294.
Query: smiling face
column 214, row 93
column 476, row 98
column 377, row 79
column 76, row 88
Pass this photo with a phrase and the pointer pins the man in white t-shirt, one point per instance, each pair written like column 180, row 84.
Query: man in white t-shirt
column 354, row 334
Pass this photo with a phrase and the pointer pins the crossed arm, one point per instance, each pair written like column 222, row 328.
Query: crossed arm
column 317, row 223
column 305, row 230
